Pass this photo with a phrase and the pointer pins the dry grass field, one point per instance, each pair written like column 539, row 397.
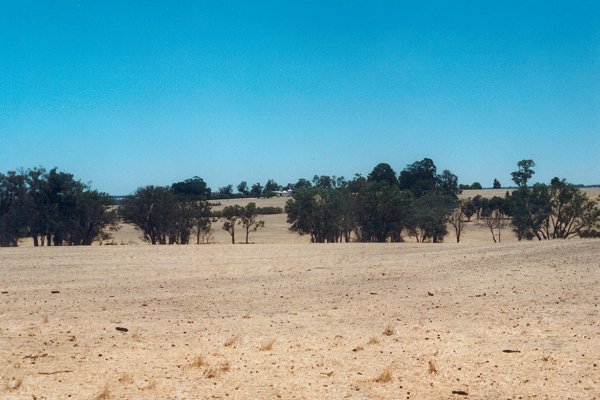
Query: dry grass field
column 302, row 321
column 282, row 318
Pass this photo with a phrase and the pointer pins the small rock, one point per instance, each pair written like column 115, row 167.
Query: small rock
column 430, row 294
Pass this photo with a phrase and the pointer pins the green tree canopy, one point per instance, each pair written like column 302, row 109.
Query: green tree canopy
column 317, row 212
column 152, row 209
column 420, row 177
column 194, row 189
column 52, row 208
column 382, row 212
column 524, row 173
column 249, row 219
column 232, row 214
column 14, row 206
column 383, row 173
column 256, row 190
column 556, row 211
column 243, row 188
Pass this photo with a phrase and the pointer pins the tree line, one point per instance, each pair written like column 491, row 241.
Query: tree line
column 176, row 213
column 53, row 208
column 170, row 214
column 558, row 210
column 381, row 207
column 420, row 203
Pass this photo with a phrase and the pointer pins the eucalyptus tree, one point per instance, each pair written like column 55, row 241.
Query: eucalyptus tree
column 232, row 214
column 152, row 209
column 435, row 197
column 249, row 219
column 317, row 212
column 14, row 208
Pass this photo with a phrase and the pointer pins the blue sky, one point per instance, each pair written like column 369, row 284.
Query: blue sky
column 131, row 93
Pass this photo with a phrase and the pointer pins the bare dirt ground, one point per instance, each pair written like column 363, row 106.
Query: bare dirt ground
column 302, row 321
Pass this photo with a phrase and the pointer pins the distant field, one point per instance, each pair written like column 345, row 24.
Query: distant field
column 592, row 193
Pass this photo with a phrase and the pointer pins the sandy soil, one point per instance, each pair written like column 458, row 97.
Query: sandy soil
column 301, row 321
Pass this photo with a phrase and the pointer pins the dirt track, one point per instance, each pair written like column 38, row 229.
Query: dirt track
column 301, row 321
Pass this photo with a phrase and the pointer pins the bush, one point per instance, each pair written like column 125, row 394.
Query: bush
column 269, row 210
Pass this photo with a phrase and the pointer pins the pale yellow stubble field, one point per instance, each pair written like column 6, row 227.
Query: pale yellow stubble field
column 301, row 321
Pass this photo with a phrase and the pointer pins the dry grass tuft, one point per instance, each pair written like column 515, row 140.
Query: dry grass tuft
column 432, row 368
column 231, row 341
column 373, row 340
column 389, row 330
column 126, row 378
column 14, row 384
column 216, row 371
column 103, row 395
column 268, row 346
column 385, row 376
column 225, row 367
column 198, row 362
column 148, row 385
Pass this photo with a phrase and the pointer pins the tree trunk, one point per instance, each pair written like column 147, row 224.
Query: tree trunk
column 493, row 234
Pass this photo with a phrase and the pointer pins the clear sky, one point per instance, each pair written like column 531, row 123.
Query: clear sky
column 131, row 93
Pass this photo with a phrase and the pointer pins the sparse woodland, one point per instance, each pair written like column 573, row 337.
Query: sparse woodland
column 53, row 208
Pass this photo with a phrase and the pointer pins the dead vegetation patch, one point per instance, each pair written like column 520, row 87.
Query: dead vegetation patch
column 13, row 384
column 104, row 394
column 386, row 376
column 267, row 346
column 126, row 378
column 389, row 330
column 373, row 340
column 197, row 362
column 432, row 368
column 217, row 370
column 232, row 340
